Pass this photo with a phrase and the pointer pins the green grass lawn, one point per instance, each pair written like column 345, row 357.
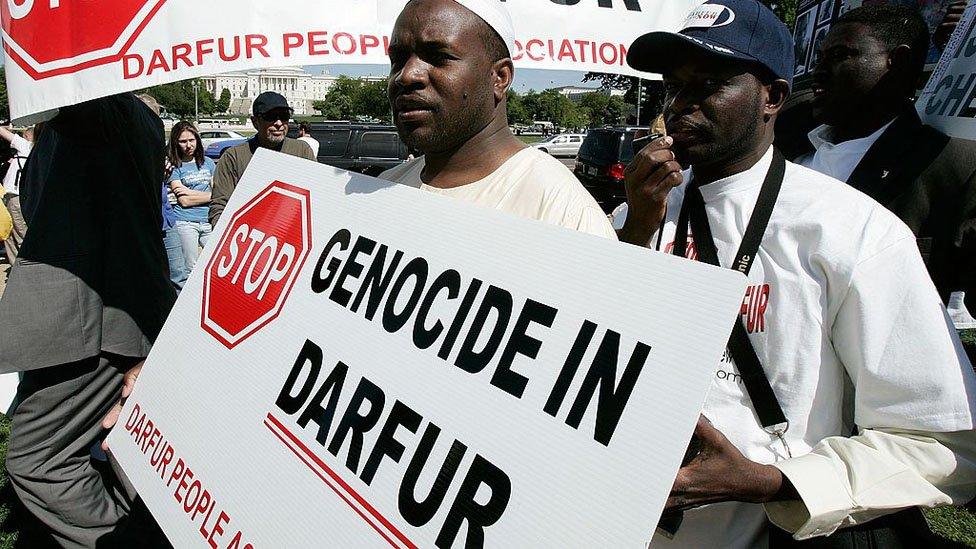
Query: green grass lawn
column 530, row 139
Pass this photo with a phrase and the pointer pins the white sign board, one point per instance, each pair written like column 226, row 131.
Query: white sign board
column 420, row 372
column 62, row 52
column 948, row 101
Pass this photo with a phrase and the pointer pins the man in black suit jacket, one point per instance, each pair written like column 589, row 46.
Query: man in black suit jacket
column 84, row 302
column 872, row 138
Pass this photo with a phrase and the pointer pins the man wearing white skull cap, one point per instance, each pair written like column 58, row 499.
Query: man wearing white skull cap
column 451, row 68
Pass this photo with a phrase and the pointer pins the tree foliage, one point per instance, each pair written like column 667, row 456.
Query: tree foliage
column 594, row 109
column 224, row 102
column 350, row 97
column 177, row 98
column 517, row 112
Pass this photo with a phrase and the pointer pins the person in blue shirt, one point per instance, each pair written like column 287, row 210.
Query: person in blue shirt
column 190, row 182
column 171, row 240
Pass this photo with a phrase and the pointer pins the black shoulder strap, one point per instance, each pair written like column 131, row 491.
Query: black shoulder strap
column 763, row 398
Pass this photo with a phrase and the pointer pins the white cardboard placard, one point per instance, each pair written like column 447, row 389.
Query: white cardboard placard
column 269, row 483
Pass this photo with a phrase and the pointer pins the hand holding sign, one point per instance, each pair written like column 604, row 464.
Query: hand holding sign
column 721, row 473
column 128, row 384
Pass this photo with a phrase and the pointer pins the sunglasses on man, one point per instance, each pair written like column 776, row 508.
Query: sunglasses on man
column 273, row 116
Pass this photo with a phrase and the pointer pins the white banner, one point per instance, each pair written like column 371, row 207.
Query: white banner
column 948, row 101
column 357, row 364
column 62, row 52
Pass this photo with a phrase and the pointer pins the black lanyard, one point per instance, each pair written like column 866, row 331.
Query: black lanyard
column 763, row 398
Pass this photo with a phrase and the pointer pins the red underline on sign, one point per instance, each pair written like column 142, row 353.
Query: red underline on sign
column 331, row 478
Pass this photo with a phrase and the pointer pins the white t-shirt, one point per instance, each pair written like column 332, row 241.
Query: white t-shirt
column 837, row 160
column 11, row 183
column 530, row 184
column 838, row 298
column 312, row 142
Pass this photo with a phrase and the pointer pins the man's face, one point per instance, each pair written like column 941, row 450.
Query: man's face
column 713, row 109
column 440, row 84
column 272, row 126
column 851, row 64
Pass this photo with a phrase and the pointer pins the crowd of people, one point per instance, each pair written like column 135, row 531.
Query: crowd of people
column 844, row 409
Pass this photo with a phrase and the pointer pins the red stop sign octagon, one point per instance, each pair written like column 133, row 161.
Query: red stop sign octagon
column 256, row 263
column 52, row 37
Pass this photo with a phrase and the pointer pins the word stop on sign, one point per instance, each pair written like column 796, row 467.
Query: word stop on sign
column 269, row 263
column 256, row 263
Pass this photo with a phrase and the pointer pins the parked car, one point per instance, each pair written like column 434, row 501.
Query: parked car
column 209, row 137
column 363, row 148
column 565, row 144
column 216, row 150
column 601, row 161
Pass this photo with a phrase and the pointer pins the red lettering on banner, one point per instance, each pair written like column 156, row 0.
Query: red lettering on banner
column 293, row 40
column 367, row 41
column 127, row 63
column 582, row 49
column 224, row 56
column 202, row 50
column 318, row 43
column 181, row 52
column 608, row 60
column 158, row 62
column 194, row 498
column 256, row 42
column 566, row 50
column 528, row 49
column 349, row 41
column 571, row 51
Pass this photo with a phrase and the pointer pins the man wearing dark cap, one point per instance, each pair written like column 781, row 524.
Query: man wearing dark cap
column 270, row 118
column 840, row 325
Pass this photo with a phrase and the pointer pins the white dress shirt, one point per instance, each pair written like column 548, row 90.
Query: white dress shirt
column 850, row 331
column 837, row 160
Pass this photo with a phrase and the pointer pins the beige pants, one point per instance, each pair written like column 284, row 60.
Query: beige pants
column 16, row 238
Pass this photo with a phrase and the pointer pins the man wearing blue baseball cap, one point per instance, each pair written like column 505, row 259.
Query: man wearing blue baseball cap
column 840, row 329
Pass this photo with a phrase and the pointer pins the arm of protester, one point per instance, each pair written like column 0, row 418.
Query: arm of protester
column 648, row 180
column 949, row 23
column 913, row 398
column 847, row 481
column 222, row 186
column 188, row 198
column 7, row 135
column 128, row 383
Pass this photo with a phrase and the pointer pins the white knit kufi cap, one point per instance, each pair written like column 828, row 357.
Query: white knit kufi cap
column 494, row 13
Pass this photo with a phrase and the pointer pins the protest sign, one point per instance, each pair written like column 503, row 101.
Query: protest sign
column 946, row 102
column 359, row 363
column 64, row 51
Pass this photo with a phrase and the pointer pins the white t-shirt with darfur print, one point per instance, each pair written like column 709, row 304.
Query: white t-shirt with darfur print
column 845, row 320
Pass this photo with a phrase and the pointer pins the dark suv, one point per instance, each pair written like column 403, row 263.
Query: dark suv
column 363, row 148
column 601, row 161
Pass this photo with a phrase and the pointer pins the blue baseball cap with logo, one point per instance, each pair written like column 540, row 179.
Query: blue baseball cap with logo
column 744, row 30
